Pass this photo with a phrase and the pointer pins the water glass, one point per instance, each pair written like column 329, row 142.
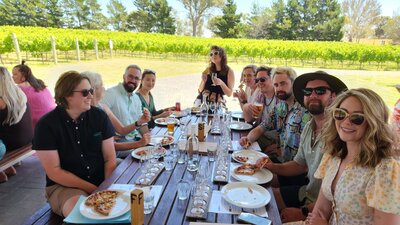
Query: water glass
column 211, row 152
column 183, row 189
column 169, row 162
column 148, row 200
column 182, row 150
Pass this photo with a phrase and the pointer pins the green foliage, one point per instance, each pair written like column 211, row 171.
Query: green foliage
column 37, row 39
column 227, row 25
column 118, row 15
column 152, row 16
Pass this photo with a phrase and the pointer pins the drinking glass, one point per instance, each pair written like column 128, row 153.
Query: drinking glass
column 182, row 149
column 259, row 108
column 169, row 162
column 183, row 189
column 170, row 126
column 148, row 200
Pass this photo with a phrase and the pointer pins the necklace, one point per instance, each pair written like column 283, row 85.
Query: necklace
column 269, row 103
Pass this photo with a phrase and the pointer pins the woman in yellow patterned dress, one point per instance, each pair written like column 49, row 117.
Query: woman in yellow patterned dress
column 360, row 170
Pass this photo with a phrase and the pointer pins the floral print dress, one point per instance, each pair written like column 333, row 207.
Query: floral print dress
column 360, row 190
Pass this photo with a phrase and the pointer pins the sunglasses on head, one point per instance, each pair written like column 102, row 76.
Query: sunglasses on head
column 355, row 118
column 213, row 53
column 261, row 79
column 85, row 92
column 317, row 90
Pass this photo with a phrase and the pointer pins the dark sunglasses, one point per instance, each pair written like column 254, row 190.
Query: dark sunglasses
column 261, row 79
column 213, row 53
column 85, row 92
column 317, row 90
column 355, row 118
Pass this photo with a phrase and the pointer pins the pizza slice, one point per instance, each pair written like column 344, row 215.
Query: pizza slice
column 102, row 201
column 105, row 207
column 246, row 169
column 241, row 158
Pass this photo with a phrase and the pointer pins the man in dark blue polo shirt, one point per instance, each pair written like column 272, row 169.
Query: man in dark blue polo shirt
column 74, row 143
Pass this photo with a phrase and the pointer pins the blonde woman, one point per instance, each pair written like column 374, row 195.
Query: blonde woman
column 361, row 176
column 120, row 147
column 15, row 118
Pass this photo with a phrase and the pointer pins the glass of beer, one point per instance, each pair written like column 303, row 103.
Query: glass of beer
column 170, row 126
column 259, row 109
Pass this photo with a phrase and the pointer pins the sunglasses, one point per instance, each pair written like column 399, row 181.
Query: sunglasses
column 261, row 79
column 213, row 53
column 355, row 118
column 85, row 92
column 317, row 90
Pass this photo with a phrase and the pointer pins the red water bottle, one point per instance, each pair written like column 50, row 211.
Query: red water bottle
column 178, row 106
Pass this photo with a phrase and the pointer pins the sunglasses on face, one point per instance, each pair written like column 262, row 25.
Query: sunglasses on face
column 317, row 90
column 213, row 53
column 261, row 79
column 355, row 118
column 85, row 92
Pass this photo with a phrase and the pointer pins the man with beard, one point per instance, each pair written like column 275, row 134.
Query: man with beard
column 315, row 91
column 288, row 118
column 125, row 105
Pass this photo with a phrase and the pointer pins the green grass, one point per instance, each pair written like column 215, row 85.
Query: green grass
column 381, row 82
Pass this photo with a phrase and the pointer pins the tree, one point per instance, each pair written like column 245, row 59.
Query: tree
column 392, row 28
column 360, row 17
column 118, row 15
column 21, row 13
column 152, row 16
column 227, row 25
column 327, row 22
column 85, row 14
column 54, row 13
column 198, row 9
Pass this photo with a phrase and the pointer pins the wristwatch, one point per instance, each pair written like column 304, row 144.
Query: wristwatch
column 305, row 211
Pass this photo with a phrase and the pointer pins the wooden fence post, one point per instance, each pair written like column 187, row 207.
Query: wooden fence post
column 78, row 56
column 16, row 46
column 96, row 49
column 110, row 43
column 53, row 49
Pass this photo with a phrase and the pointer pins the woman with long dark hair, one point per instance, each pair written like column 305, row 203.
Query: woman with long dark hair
column 39, row 97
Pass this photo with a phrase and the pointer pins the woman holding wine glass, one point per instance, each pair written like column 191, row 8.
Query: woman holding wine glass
column 218, row 78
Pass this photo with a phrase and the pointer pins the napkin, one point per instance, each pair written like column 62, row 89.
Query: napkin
column 204, row 145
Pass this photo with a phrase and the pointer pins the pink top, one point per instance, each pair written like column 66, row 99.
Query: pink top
column 40, row 102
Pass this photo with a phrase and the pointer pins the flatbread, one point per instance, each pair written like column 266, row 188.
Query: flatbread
column 102, row 201
column 246, row 169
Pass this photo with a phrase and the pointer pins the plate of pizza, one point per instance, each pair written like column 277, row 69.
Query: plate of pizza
column 178, row 114
column 105, row 204
column 145, row 152
column 247, row 156
column 246, row 195
column 251, row 173
column 164, row 140
column 165, row 121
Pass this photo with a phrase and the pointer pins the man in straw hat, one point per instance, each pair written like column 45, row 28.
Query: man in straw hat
column 314, row 91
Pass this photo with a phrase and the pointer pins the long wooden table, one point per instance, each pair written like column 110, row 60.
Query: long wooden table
column 169, row 209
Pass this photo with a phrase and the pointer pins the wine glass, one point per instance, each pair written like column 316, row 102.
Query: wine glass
column 213, row 76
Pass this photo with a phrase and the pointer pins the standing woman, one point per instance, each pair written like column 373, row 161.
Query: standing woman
column 15, row 118
column 74, row 143
column 39, row 97
column 221, row 84
column 360, row 172
column 146, row 98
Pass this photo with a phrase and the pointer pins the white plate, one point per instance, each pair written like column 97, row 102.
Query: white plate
column 178, row 114
column 121, row 207
column 165, row 121
column 245, row 195
column 251, row 154
column 236, row 125
column 237, row 115
column 157, row 139
column 260, row 177
column 145, row 148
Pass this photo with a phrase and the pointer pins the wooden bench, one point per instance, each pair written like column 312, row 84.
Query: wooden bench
column 15, row 156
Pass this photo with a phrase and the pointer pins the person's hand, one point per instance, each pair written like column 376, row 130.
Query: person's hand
column 291, row 215
column 244, row 141
column 146, row 117
column 166, row 113
column 91, row 188
column 216, row 81
column 313, row 219
column 145, row 140
column 264, row 162
column 242, row 96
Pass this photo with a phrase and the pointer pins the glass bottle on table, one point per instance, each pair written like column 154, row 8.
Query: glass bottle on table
column 192, row 150
column 204, row 110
